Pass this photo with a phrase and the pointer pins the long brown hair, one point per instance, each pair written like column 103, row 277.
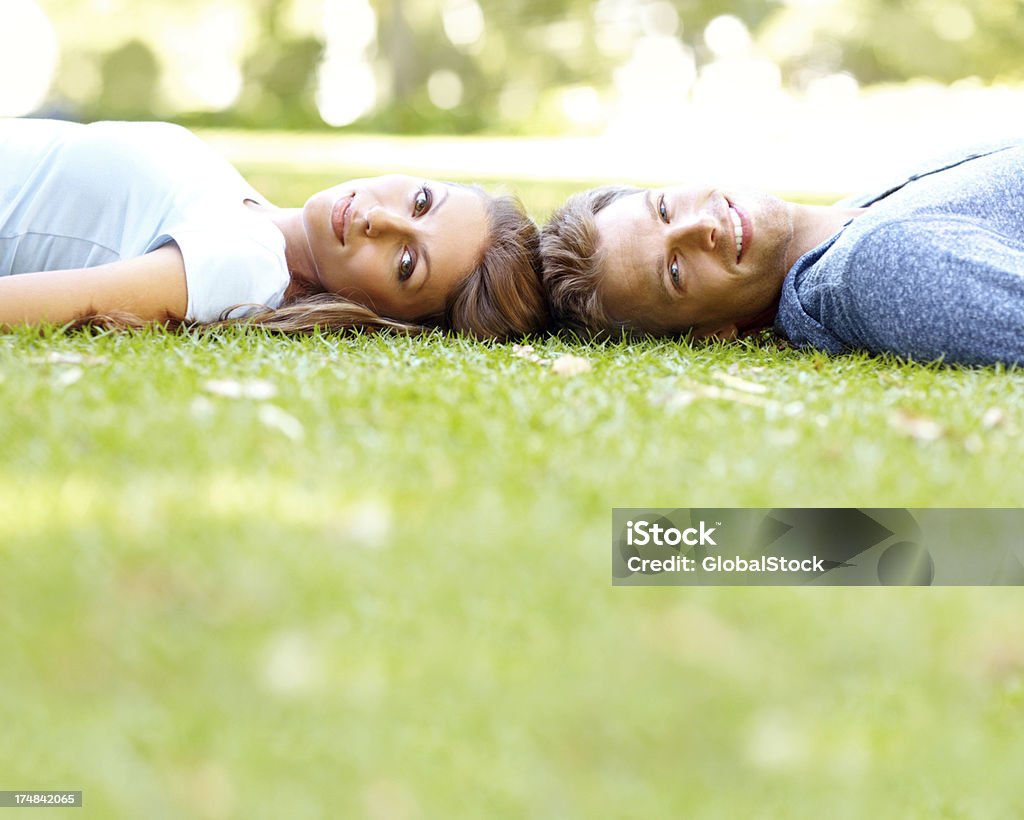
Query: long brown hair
column 500, row 298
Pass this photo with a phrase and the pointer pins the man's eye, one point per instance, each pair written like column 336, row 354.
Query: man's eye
column 673, row 271
column 421, row 204
column 662, row 210
column 406, row 265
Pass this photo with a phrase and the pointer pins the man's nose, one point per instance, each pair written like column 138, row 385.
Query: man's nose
column 699, row 228
column 381, row 221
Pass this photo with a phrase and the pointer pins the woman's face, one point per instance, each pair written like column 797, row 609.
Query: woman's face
column 397, row 244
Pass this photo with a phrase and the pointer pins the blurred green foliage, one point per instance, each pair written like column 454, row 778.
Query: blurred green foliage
column 893, row 40
column 122, row 58
column 129, row 77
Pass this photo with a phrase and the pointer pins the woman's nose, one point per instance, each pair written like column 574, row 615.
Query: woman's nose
column 383, row 222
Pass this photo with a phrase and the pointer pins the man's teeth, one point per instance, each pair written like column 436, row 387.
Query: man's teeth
column 738, row 227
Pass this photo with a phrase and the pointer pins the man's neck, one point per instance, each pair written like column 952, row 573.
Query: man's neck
column 812, row 225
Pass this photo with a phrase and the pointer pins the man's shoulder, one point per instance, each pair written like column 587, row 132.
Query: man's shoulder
column 876, row 257
column 941, row 162
column 908, row 239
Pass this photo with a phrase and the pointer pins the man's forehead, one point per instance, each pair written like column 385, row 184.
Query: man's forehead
column 619, row 233
column 626, row 210
column 626, row 257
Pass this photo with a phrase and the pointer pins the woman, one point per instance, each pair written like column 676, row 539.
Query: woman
column 126, row 223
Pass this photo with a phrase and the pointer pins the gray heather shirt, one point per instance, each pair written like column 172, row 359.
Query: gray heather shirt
column 934, row 269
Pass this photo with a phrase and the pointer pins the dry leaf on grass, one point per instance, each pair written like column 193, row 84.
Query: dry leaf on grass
column 275, row 418
column 993, row 417
column 974, row 444
column 681, row 398
column 916, row 426
column 258, row 389
column 525, row 352
column 57, row 357
column 674, row 398
column 201, row 408
column 68, row 377
column 64, row 358
column 736, row 383
column 569, row 365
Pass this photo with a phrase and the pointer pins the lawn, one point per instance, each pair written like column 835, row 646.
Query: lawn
column 251, row 576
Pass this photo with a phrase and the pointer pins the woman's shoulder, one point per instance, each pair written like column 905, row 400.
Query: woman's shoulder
column 239, row 259
column 103, row 133
column 153, row 157
column 156, row 144
column 140, row 133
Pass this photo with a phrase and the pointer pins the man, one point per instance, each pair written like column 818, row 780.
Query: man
column 930, row 268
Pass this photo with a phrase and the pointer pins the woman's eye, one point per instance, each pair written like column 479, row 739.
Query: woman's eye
column 422, row 202
column 406, row 265
column 673, row 271
column 662, row 210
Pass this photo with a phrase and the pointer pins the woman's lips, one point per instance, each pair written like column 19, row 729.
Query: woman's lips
column 340, row 217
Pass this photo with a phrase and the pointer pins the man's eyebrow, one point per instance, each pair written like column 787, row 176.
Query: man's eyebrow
column 649, row 201
column 424, row 250
column 660, row 258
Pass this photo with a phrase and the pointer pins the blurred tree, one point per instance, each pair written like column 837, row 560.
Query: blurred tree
column 467, row 65
column 129, row 83
column 403, row 50
column 509, row 50
column 413, row 46
column 280, row 84
column 279, row 73
column 894, row 40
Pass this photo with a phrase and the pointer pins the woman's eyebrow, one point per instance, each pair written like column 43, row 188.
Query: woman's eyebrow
column 441, row 202
column 423, row 249
column 426, row 265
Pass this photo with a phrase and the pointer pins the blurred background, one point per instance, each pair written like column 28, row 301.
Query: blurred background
column 640, row 89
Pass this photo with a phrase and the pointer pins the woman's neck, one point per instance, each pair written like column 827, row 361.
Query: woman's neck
column 297, row 253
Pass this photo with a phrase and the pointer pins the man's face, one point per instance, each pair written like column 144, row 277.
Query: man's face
column 675, row 259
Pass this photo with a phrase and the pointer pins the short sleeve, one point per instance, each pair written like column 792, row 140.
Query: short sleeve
column 229, row 270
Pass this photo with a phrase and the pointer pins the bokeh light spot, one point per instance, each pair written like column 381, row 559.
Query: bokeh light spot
column 28, row 52
column 444, row 87
column 727, row 36
column 463, row 22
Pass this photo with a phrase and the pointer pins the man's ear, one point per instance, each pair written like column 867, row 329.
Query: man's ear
column 723, row 332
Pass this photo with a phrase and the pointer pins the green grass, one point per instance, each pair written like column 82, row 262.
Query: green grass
column 377, row 583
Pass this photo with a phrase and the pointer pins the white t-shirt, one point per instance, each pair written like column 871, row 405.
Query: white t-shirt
column 75, row 196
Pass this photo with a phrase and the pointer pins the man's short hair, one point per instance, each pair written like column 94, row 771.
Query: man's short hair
column 572, row 264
